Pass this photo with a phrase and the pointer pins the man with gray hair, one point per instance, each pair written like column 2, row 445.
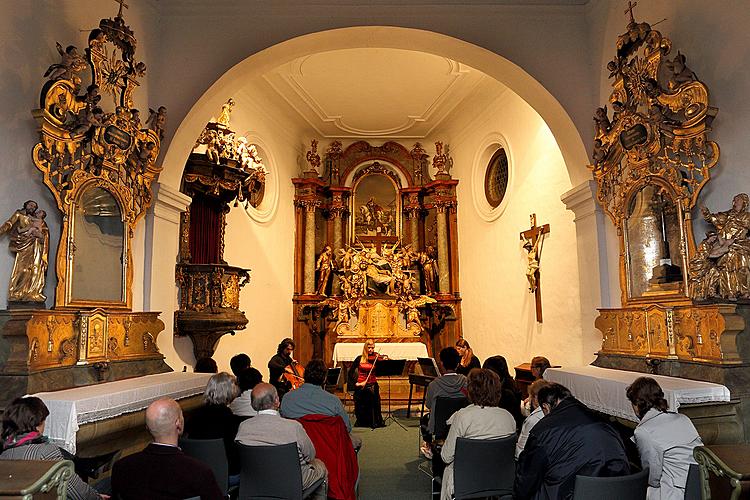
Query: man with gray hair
column 269, row 428
column 162, row 470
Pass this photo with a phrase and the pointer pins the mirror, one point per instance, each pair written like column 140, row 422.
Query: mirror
column 652, row 243
column 98, row 248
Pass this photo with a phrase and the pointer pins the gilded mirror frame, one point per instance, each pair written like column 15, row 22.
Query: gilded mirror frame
column 66, row 251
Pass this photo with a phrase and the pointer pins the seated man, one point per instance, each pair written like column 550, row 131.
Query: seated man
column 449, row 385
column 311, row 399
column 239, row 363
column 270, row 428
column 162, row 470
column 568, row 441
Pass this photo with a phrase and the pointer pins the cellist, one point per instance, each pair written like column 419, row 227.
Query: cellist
column 366, row 389
column 283, row 364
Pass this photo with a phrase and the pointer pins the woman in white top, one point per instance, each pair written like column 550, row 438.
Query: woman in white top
column 534, row 417
column 665, row 440
column 482, row 419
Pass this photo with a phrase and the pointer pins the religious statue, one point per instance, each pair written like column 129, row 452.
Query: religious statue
column 533, row 249
column 71, row 63
column 680, row 72
column 428, row 261
column 157, row 120
column 29, row 240
column 728, row 252
column 226, row 112
column 324, row 267
column 704, row 276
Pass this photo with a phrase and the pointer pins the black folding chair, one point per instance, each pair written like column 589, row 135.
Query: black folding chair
column 212, row 453
column 272, row 472
column 484, row 467
column 693, row 485
column 444, row 408
column 632, row 487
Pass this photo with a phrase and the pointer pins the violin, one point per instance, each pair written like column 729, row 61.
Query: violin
column 294, row 373
column 372, row 368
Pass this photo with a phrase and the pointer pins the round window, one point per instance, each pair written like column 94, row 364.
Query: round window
column 496, row 178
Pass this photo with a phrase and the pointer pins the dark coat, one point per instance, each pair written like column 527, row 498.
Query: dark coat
column 162, row 473
column 567, row 442
column 217, row 422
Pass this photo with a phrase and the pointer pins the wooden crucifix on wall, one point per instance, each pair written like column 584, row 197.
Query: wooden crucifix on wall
column 532, row 242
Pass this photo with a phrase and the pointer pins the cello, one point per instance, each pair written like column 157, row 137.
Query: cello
column 294, row 374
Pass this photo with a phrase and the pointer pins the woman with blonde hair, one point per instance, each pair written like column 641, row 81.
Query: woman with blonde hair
column 366, row 390
column 468, row 360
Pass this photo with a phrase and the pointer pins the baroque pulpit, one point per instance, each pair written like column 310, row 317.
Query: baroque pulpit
column 376, row 248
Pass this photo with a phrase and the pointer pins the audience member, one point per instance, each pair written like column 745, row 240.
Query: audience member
column 510, row 396
column 482, row 419
column 468, row 360
column 206, row 365
column 22, row 439
column 269, row 428
column 568, row 441
column 538, row 365
column 665, row 440
column 366, row 389
column 449, row 385
column 239, row 363
column 311, row 399
column 534, row 417
column 162, row 470
column 242, row 404
column 216, row 421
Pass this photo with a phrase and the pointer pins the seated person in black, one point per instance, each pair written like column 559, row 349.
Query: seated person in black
column 510, row 396
column 468, row 360
column 239, row 363
column 281, row 367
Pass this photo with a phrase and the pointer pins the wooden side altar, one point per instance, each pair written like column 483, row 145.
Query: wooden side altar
column 376, row 249
column 684, row 306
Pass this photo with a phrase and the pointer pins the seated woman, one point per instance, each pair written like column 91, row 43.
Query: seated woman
column 539, row 365
column 534, row 417
column 482, row 419
column 665, row 440
column 216, row 420
column 468, row 360
column 23, row 425
column 366, row 389
column 510, row 396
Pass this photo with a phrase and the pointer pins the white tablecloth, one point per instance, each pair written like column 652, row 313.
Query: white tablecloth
column 71, row 408
column 347, row 351
column 603, row 389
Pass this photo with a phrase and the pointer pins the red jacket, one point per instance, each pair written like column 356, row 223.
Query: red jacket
column 333, row 446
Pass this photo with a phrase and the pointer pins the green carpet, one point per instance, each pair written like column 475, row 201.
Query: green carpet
column 389, row 461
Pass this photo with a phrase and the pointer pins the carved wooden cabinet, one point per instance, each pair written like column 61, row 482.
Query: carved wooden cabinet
column 702, row 333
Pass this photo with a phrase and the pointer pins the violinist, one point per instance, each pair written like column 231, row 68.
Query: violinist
column 283, row 369
column 366, row 390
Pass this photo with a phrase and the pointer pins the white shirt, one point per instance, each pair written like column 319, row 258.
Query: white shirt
column 528, row 424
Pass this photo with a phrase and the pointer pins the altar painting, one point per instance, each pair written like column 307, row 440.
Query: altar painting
column 376, row 206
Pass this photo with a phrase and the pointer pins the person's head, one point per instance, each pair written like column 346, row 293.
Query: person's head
column 30, row 207
column 449, row 358
column 164, row 421
column 286, row 347
column 740, row 202
column 264, row 397
column 498, row 365
column 484, row 387
column 24, row 415
column 249, row 378
column 238, row 363
column 538, row 365
column 534, row 389
column 645, row 393
column 206, row 365
column 316, row 371
column 463, row 348
column 551, row 395
column 221, row 389
column 368, row 349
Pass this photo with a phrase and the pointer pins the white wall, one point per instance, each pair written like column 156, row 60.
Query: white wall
column 498, row 310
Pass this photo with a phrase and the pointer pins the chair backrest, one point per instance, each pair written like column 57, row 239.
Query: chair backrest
column 212, row 453
column 693, row 485
column 444, row 408
column 484, row 467
column 270, row 472
column 632, row 487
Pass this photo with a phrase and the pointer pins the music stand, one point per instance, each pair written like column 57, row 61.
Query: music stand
column 390, row 368
column 429, row 367
column 332, row 378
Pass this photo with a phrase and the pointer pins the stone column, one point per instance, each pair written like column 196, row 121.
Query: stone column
column 309, row 263
column 412, row 212
column 337, row 212
column 442, row 242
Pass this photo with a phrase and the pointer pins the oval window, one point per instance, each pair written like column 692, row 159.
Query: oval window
column 496, row 178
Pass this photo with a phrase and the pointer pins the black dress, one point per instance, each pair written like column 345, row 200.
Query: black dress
column 367, row 398
column 464, row 370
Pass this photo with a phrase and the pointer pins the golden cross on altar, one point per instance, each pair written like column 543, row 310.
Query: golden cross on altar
column 122, row 4
column 631, row 6
column 533, row 239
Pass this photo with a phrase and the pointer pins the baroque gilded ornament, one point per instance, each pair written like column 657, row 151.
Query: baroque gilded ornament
column 661, row 117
